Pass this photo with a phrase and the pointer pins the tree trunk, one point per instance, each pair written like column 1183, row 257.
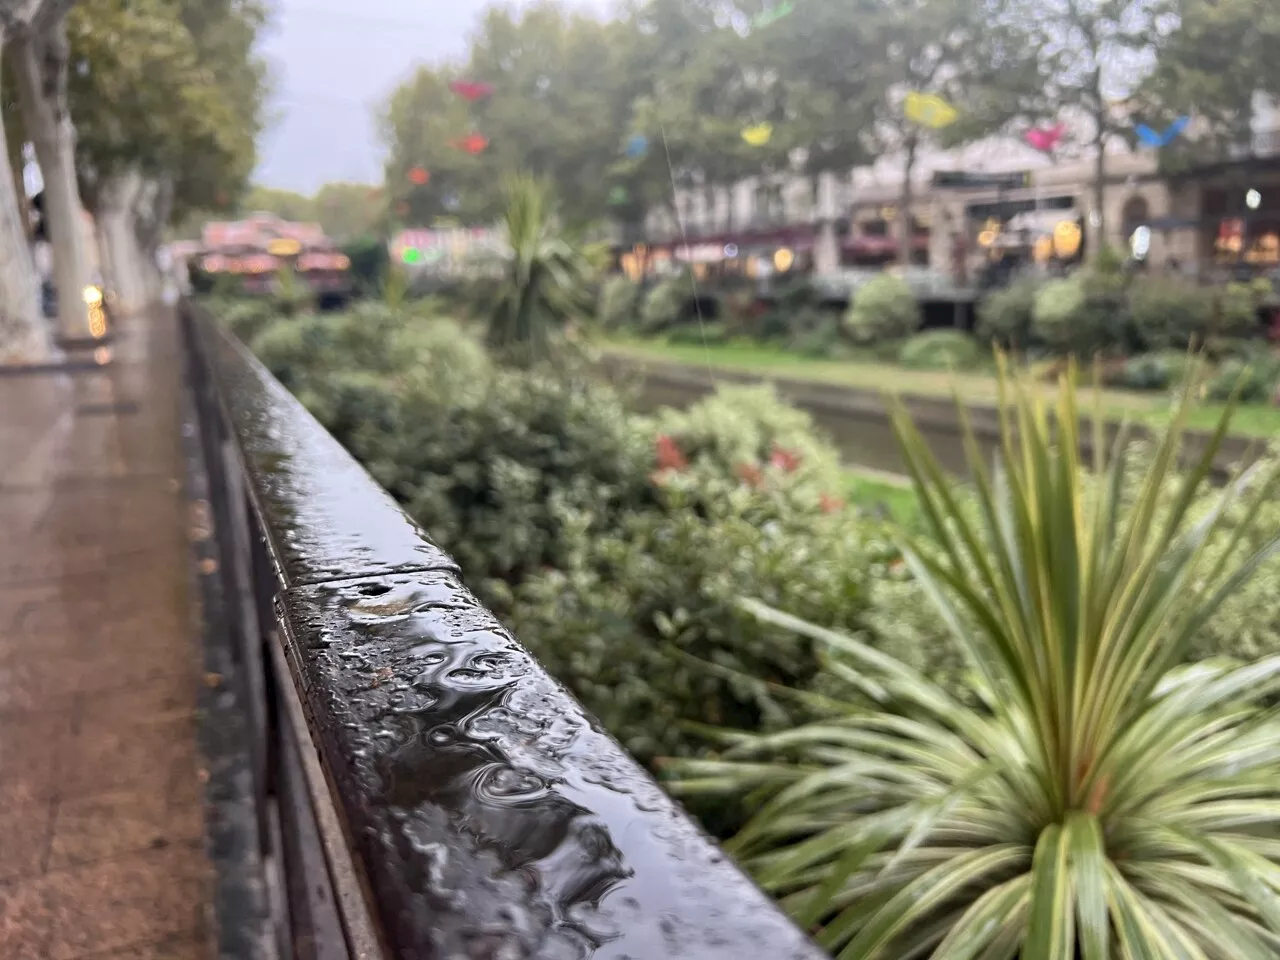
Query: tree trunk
column 151, row 215
column 119, row 244
column 24, row 334
column 906, row 235
column 1098, row 222
column 41, row 76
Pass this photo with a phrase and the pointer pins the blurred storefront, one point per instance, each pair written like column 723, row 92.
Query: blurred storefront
column 746, row 255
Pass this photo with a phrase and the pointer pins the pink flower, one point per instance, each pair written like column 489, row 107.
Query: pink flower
column 751, row 475
column 830, row 504
column 786, row 460
column 669, row 455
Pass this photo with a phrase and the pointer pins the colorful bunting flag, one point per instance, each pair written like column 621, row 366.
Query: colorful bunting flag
column 1045, row 139
column 1162, row 138
column 773, row 14
column 472, row 143
column 758, row 135
column 470, row 91
column 929, row 110
column 637, row 146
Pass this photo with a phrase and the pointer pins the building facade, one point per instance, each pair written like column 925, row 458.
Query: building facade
column 972, row 203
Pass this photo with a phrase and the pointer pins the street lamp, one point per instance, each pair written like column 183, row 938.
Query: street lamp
column 1253, row 199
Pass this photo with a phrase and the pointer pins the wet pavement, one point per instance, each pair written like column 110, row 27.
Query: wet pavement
column 101, row 849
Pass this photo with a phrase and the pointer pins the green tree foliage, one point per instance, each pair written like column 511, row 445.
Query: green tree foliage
column 286, row 204
column 980, row 56
column 170, row 88
column 1099, row 799
column 1213, row 64
column 559, row 111
column 348, row 211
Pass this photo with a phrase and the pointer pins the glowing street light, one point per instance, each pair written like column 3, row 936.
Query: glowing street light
column 1253, row 199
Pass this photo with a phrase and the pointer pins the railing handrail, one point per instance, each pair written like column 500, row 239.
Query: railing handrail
column 487, row 813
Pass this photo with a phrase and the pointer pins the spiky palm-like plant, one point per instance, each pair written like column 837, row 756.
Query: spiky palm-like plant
column 545, row 278
column 1106, row 800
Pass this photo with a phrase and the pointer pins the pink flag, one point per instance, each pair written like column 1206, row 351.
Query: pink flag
column 1045, row 139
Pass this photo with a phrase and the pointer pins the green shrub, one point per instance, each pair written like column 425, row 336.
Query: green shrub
column 814, row 332
column 1004, row 316
column 1056, row 311
column 740, row 428
column 796, row 294
column 1151, row 371
column 820, row 342
column 616, row 307
column 638, row 625
column 1255, row 382
column 291, row 294
column 884, row 308
column 245, row 318
column 500, row 475
column 366, row 337
column 644, row 616
column 1081, row 314
column 1236, row 311
column 1170, row 313
column 664, row 302
column 699, row 334
column 369, row 261
column 941, row 350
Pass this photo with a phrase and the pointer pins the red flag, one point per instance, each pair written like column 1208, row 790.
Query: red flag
column 472, row 143
column 469, row 90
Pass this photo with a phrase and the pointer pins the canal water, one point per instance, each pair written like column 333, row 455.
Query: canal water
column 856, row 420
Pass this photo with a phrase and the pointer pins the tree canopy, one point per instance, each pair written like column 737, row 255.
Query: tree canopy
column 169, row 88
column 617, row 113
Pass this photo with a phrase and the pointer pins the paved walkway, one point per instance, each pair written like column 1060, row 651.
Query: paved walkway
column 101, row 850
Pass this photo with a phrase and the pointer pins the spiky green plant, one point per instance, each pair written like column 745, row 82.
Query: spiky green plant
column 1105, row 800
column 545, row 278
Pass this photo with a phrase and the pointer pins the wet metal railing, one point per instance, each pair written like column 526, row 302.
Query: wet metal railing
column 422, row 788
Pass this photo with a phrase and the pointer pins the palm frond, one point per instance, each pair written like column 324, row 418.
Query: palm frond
column 1108, row 799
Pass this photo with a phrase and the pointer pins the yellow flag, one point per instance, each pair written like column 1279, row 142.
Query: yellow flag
column 758, row 135
column 929, row 110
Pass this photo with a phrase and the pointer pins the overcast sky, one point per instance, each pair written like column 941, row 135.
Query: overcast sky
column 332, row 62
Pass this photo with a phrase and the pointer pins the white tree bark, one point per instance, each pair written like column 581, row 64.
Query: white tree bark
column 24, row 333
column 41, row 76
column 155, row 202
column 118, row 243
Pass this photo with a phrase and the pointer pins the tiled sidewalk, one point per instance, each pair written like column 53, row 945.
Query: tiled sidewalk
column 101, row 850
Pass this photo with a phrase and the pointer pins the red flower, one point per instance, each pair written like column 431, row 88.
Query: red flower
column 786, row 460
column 830, row 504
column 669, row 455
column 751, row 475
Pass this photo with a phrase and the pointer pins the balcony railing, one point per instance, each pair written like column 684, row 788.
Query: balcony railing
column 421, row 788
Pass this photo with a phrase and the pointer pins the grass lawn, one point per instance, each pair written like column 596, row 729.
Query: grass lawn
column 1257, row 420
column 872, row 490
